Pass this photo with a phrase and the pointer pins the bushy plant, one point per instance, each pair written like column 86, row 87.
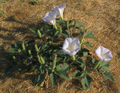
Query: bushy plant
column 58, row 52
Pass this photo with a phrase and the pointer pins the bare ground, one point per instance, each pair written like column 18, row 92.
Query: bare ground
column 100, row 16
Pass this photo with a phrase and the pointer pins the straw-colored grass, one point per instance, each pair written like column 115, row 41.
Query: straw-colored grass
column 100, row 16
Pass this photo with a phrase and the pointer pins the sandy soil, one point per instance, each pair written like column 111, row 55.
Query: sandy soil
column 100, row 16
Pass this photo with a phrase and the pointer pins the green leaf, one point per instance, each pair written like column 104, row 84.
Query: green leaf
column 33, row 30
column 67, row 24
column 12, row 50
column 94, row 60
column 39, row 78
column 82, row 65
column 85, row 81
column 89, row 34
column 104, row 66
column 75, row 73
column 39, row 33
column 62, row 74
column 33, row 2
column 65, row 35
column 85, row 54
column 62, row 67
column 80, row 25
column 108, row 75
column 78, row 74
column 42, row 60
column 60, row 21
column 88, row 44
column 56, row 33
column 74, row 23
column 61, row 70
column 104, row 63
column 52, row 78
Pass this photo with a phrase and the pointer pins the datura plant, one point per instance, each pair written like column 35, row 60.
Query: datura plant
column 56, row 50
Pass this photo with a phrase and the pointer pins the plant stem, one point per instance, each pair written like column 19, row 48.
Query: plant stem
column 54, row 62
column 55, row 27
column 62, row 18
column 36, row 48
column 23, row 46
column 14, row 57
column 73, row 57
column 39, row 34
column 97, row 65
column 29, row 51
column 40, row 59
column 82, row 39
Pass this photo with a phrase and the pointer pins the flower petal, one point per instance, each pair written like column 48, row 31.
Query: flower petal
column 59, row 9
column 50, row 17
column 103, row 53
column 71, row 46
column 108, row 56
column 98, row 52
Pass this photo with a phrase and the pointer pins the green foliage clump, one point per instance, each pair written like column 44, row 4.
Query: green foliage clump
column 33, row 2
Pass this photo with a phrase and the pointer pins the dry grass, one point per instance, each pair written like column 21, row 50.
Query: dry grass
column 100, row 16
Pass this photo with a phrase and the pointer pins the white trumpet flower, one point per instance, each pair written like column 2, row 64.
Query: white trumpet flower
column 50, row 17
column 71, row 46
column 103, row 53
column 59, row 9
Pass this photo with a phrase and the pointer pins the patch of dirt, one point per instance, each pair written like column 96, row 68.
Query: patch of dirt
column 100, row 16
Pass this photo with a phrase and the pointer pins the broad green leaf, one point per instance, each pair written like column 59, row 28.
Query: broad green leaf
column 88, row 44
column 104, row 63
column 85, row 81
column 61, row 70
column 104, row 68
column 108, row 75
column 62, row 74
column 52, row 78
column 62, row 67
column 89, row 34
